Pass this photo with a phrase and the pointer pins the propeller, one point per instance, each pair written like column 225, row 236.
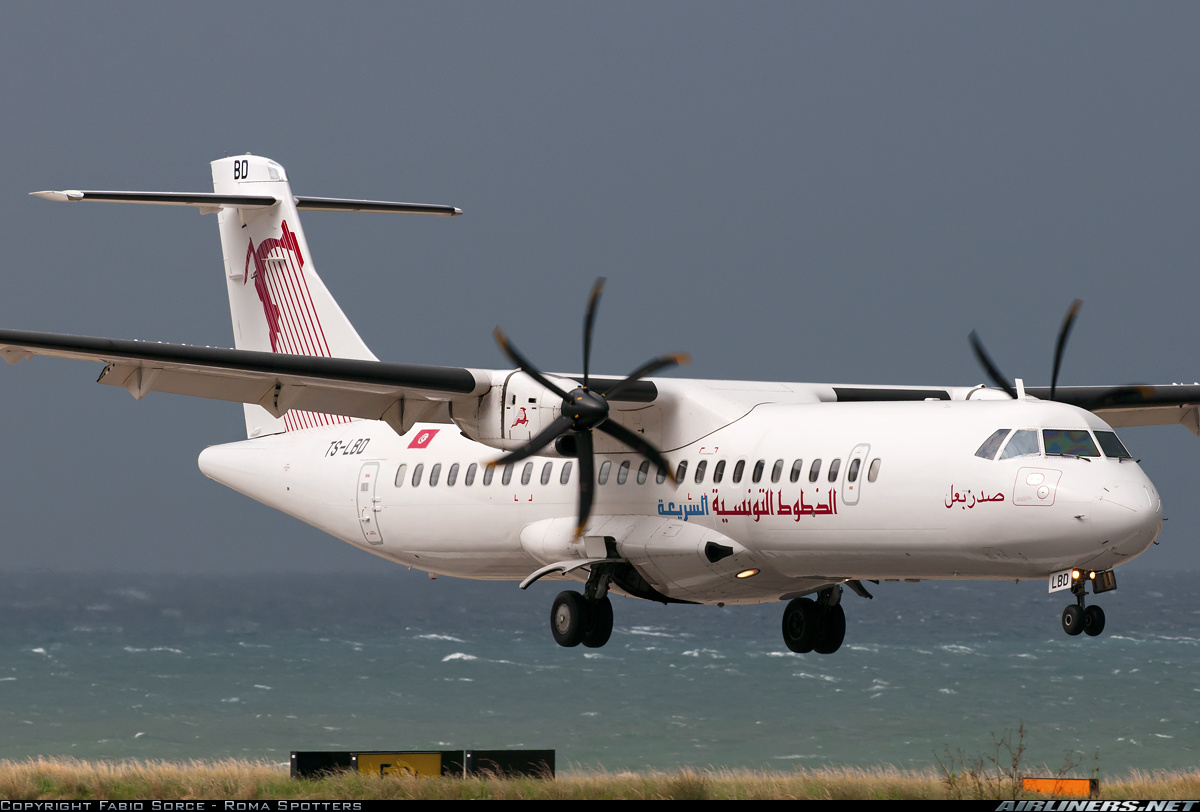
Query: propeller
column 584, row 411
column 1109, row 397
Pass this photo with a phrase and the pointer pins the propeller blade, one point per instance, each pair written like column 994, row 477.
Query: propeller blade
column 992, row 372
column 560, row 425
column 588, row 323
column 587, row 479
column 648, row 368
column 524, row 364
column 638, row 444
column 1063, row 332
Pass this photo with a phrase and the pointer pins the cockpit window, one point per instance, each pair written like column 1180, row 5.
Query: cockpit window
column 1069, row 443
column 1112, row 445
column 1023, row 443
column 992, row 444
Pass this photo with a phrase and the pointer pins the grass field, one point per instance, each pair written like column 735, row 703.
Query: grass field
column 65, row 779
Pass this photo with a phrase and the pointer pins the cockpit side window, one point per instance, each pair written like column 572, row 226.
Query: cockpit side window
column 1023, row 443
column 1069, row 443
column 991, row 445
column 1112, row 445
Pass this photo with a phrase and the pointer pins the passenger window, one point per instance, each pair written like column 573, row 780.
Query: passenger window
column 681, row 471
column 834, row 467
column 660, row 475
column 1069, row 443
column 452, row 475
column 700, row 466
column 643, row 469
column 1023, row 443
column 797, row 469
column 488, row 472
column 777, row 471
column 434, row 473
column 738, row 467
column 506, row 474
column 604, row 469
column 814, row 471
column 417, row 472
column 758, row 471
column 719, row 472
column 565, row 476
column 623, row 472
column 873, row 471
column 546, row 471
column 1112, row 445
column 852, row 471
column 526, row 473
column 400, row 472
column 991, row 445
column 469, row 476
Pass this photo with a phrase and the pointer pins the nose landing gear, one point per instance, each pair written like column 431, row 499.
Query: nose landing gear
column 1078, row 618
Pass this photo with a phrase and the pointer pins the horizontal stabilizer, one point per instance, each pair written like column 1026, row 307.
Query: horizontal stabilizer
column 209, row 201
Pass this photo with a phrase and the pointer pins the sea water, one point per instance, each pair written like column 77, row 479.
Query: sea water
column 173, row 667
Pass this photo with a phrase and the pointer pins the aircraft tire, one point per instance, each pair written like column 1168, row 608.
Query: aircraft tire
column 801, row 625
column 1093, row 620
column 833, row 630
column 1072, row 620
column 600, row 625
column 568, row 618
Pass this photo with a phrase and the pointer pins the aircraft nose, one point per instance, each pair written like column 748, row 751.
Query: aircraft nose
column 1131, row 514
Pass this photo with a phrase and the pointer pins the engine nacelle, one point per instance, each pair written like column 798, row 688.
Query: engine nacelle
column 513, row 411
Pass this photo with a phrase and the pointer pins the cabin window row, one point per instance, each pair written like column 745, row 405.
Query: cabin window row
column 604, row 473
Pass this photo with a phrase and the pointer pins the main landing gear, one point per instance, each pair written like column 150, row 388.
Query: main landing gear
column 818, row 625
column 1078, row 618
column 586, row 618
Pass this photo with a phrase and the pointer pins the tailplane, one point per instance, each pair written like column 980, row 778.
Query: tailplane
column 276, row 299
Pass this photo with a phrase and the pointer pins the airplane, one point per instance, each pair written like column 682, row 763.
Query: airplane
column 664, row 489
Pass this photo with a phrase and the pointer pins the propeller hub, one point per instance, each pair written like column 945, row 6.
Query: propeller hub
column 585, row 408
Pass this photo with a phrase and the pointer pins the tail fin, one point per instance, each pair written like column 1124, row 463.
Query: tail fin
column 277, row 300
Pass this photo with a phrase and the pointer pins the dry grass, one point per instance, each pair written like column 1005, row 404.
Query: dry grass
column 66, row 779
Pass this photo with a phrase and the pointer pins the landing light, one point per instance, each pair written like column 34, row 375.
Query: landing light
column 747, row 573
column 1075, row 575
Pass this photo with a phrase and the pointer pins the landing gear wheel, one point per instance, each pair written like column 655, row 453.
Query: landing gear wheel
column 802, row 625
column 1093, row 620
column 568, row 618
column 1072, row 620
column 833, row 630
column 599, row 627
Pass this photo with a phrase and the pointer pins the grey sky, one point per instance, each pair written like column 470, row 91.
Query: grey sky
column 830, row 192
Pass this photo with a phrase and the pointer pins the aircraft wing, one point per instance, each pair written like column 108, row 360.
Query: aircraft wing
column 368, row 389
column 399, row 394
column 1122, row 406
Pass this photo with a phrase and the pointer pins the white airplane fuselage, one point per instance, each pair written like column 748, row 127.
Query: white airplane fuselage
column 932, row 510
column 766, row 491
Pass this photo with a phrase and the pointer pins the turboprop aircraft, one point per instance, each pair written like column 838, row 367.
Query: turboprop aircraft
column 665, row 489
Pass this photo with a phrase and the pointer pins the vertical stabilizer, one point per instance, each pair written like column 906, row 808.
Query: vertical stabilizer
column 277, row 301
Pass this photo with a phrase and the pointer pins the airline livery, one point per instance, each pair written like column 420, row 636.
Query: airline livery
column 671, row 490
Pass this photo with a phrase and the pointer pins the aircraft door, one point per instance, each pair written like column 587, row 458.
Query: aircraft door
column 368, row 503
column 855, row 474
